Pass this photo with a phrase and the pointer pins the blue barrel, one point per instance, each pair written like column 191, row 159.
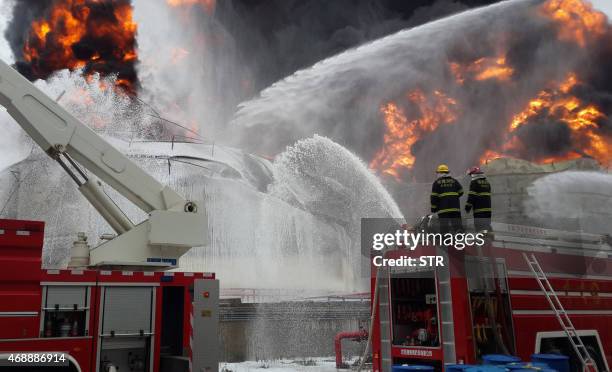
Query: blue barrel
column 412, row 367
column 554, row 361
column 485, row 368
column 534, row 369
column 499, row 359
column 522, row 365
column 457, row 367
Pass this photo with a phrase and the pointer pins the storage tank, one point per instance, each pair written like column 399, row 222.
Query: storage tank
column 257, row 240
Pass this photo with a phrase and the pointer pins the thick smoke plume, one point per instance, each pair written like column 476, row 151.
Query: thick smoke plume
column 456, row 88
column 200, row 59
column 50, row 35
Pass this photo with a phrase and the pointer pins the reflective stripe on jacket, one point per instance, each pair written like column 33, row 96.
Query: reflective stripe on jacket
column 445, row 194
column 479, row 197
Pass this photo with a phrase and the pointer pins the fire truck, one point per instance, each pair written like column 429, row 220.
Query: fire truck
column 521, row 293
column 116, row 306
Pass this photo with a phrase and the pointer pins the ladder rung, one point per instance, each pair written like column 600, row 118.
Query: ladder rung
column 559, row 310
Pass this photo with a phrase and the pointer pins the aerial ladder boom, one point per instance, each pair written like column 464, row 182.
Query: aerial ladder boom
column 174, row 225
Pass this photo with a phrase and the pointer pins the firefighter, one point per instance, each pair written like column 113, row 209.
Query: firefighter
column 445, row 194
column 479, row 199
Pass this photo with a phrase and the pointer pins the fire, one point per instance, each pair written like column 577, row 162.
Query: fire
column 403, row 130
column 557, row 123
column 577, row 20
column 208, row 5
column 485, row 68
column 558, row 104
column 98, row 35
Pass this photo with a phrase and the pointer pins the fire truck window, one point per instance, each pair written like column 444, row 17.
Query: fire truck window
column 414, row 310
column 62, row 323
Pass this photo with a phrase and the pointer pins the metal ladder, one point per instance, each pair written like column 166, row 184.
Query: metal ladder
column 446, row 309
column 579, row 348
column 383, row 313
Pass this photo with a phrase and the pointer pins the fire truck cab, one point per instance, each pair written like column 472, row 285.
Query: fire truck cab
column 101, row 320
column 491, row 303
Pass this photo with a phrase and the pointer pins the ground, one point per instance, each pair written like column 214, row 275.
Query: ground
column 285, row 365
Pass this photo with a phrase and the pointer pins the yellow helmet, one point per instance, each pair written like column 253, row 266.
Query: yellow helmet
column 442, row 168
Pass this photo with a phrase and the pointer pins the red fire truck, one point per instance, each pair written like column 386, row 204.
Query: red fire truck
column 116, row 307
column 100, row 320
column 490, row 301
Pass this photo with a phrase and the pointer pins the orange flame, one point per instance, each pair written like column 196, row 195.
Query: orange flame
column 577, row 20
column 402, row 131
column 208, row 5
column 485, row 68
column 558, row 103
column 50, row 45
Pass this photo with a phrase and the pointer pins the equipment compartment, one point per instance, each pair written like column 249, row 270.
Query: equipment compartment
column 415, row 310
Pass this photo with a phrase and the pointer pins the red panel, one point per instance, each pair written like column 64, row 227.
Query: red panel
column 464, row 346
column 535, row 302
column 563, row 284
column 19, row 327
column 19, row 298
column 19, row 268
column 20, row 250
column 93, row 327
column 21, row 238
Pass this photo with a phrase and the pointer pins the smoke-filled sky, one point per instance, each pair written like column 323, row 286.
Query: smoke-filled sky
column 516, row 79
column 196, row 67
column 7, row 5
column 268, row 39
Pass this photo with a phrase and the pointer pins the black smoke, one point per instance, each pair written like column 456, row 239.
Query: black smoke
column 100, row 40
column 275, row 38
column 341, row 98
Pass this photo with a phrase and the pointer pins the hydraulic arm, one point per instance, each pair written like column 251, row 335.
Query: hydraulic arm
column 174, row 225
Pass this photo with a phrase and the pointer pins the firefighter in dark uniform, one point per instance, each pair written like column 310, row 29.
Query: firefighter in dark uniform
column 479, row 199
column 445, row 194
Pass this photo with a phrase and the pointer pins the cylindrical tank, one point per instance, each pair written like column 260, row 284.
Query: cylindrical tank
column 79, row 254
